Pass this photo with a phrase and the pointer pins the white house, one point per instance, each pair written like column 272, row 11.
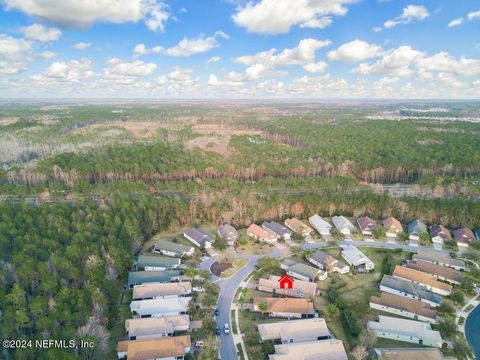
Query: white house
column 322, row 226
column 357, row 259
column 343, row 225
column 160, row 307
column 411, row 331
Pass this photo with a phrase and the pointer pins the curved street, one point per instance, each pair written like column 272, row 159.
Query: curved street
column 228, row 287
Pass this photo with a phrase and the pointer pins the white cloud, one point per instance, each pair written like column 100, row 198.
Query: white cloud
column 81, row 14
column 444, row 62
column 133, row 69
column 409, row 14
column 455, row 22
column 355, row 50
column 60, row 71
column 82, row 45
column 278, row 16
column 395, row 62
column 179, row 80
column 41, row 33
column 317, row 23
column 214, row 81
column 187, row 47
column 47, row 54
column 214, row 59
column 14, row 54
column 473, row 15
column 303, row 53
column 315, row 67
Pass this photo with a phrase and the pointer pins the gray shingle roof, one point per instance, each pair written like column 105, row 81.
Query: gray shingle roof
column 408, row 287
column 171, row 246
column 142, row 277
column 416, row 227
column 199, row 236
column 277, row 228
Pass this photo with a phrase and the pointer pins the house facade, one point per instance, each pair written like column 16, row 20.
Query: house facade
column 402, row 306
column 356, row 259
column 439, row 272
column 324, row 349
column 415, row 229
column 152, row 328
column 160, row 307
column 439, row 234
column 169, row 248
column 392, row 226
column 167, row 348
column 343, row 225
column 228, row 233
column 199, row 238
column 294, row 331
column 290, row 308
column 463, row 237
column 258, row 233
column 327, row 263
column 298, row 226
column 366, row 225
column 155, row 276
column 162, row 290
column 438, row 258
column 277, row 229
column 156, row 263
column 427, row 280
column 411, row 331
column 319, row 224
column 302, row 271
column 408, row 289
column 300, row 289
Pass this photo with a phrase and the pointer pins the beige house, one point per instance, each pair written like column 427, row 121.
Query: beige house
column 402, row 306
column 152, row 328
column 292, row 331
column 301, row 289
column 298, row 226
column 290, row 308
column 439, row 272
column 427, row 280
column 392, row 226
column 324, row 349
column 167, row 348
column 258, row 233
column 161, row 290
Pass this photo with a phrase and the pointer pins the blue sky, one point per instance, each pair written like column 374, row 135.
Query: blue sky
column 240, row 49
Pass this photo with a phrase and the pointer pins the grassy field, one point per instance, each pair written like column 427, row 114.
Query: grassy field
column 237, row 265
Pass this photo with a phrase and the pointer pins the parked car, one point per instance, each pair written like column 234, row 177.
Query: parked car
column 217, row 331
column 199, row 343
column 198, row 289
column 217, row 312
column 226, row 329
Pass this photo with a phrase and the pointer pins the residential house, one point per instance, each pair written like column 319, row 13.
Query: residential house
column 366, row 225
column 427, row 280
column 167, row 348
column 228, row 233
column 323, row 349
column 280, row 231
column 298, row 226
column 156, row 262
column 327, row 263
column 412, row 331
column 402, row 306
column 439, row 258
column 294, row 331
column 199, row 238
column 290, row 308
column 302, row 271
column 439, row 234
column 300, row 289
column 258, row 233
column 415, row 229
column 170, row 248
column 357, row 259
column 409, row 354
column 408, row 289
column 392, row 226
column 319, row 224
column 343, row 225
column 439, row 272
column 463, row 237
column 161, row 290
column 145, row 277
column 160, row 307
column 152, row 328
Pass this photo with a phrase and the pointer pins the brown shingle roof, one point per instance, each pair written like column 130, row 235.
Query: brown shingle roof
column 402, row 303
column 260, row 233
column 298, row 226
column 155, row 348
column 391, row 222
column 420, row 277
column 464, row 235
column 286, row 305
column 440, row 230
column 161, row 289
column 305, row 287
column 365, row 223
column 436, row 270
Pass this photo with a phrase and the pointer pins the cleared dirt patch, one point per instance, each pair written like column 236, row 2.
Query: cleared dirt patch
column 217, row 268
column 210, row 143
column 223, row 130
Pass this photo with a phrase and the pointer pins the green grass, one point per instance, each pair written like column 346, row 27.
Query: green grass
column 240, row 352
column 233, row 321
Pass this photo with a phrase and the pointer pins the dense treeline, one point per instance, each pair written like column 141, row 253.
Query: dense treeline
column 62, row 268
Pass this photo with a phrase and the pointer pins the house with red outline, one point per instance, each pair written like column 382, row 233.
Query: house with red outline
column 286, row 282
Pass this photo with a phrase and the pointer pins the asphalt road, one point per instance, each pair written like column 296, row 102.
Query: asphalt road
column 228, row 287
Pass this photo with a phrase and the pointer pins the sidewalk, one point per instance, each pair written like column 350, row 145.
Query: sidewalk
column 462, row 313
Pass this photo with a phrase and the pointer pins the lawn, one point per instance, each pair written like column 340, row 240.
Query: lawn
column 255, row 248
column 237, row 265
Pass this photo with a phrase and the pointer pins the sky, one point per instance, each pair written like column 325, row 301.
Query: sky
column 285, row 49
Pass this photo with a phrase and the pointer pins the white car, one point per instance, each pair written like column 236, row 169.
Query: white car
column 226, row 329
column 198, row 289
